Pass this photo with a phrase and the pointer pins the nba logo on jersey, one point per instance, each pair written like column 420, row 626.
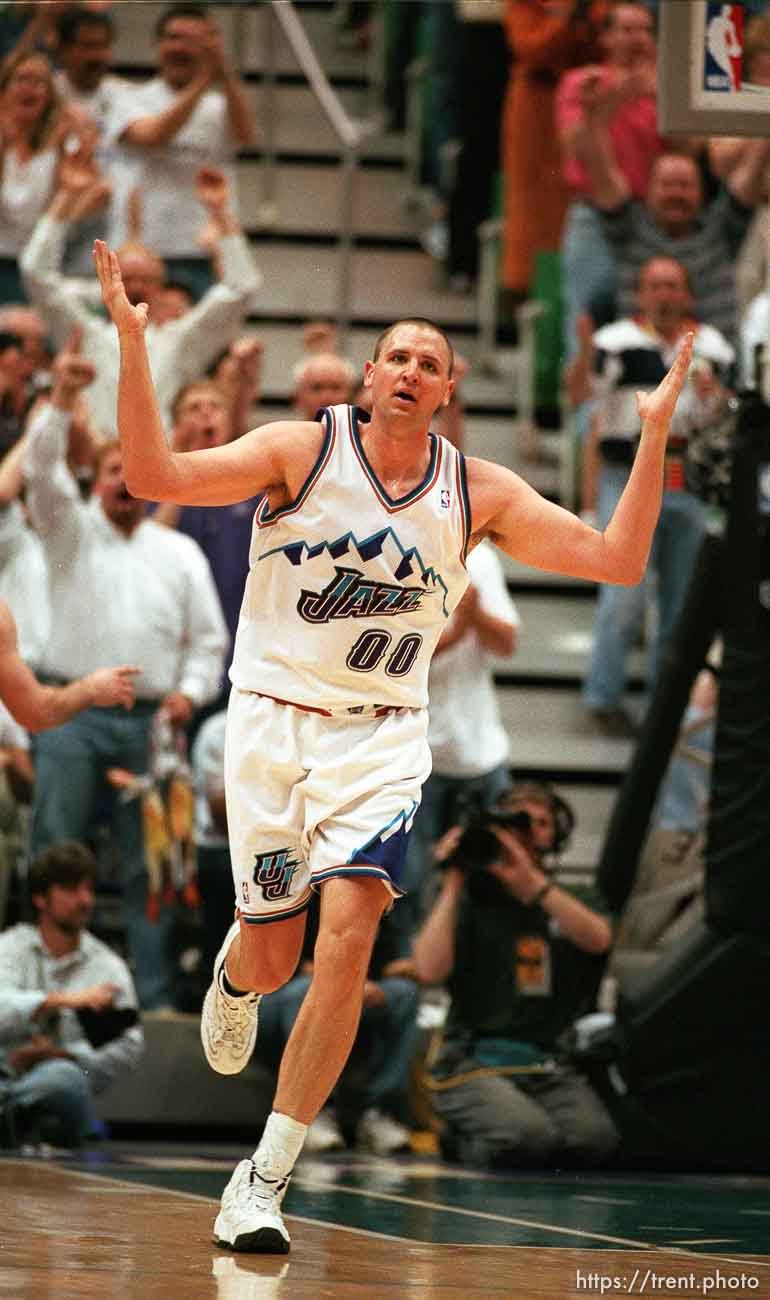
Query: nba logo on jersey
column 446, row 498
column 723, row 53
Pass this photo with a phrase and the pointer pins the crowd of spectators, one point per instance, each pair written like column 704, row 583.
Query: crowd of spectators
column 89, row 576
column 558, row 96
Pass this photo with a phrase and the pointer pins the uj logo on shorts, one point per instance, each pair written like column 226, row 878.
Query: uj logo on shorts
column 274, row 872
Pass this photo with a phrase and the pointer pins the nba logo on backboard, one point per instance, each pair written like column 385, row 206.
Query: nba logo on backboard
column 763, row 485
column 723, row 53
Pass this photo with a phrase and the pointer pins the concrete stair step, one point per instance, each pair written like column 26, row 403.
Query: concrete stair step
column 308, row 200
column 303, row 281
column 549, row 733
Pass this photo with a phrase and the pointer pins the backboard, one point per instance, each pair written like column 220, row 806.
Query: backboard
column 704, row 78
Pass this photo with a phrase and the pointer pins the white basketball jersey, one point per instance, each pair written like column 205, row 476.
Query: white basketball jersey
column 348, row 590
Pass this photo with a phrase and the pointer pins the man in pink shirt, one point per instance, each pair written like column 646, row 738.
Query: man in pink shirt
column 624, row 86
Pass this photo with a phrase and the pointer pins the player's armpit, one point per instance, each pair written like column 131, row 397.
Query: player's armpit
column 536, row 531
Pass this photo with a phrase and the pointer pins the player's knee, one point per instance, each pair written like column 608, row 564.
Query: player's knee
column 267, row 962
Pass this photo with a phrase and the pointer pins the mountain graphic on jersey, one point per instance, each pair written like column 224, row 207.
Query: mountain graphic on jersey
column 351, row 592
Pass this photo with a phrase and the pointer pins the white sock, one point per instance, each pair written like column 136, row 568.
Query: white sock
column 280, row 1145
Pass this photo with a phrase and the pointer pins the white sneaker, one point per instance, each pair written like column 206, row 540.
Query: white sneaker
column 324, row 1134
column 228, row 1025
column 250, row 1217
column 380, row 1133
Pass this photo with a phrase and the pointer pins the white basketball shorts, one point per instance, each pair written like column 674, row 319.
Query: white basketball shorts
column 311, row 797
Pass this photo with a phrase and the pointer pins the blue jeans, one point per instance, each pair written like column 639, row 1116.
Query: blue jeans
column 52, row 1103
column 388, row 1032
column 675, row 545
column 70, row 765
column 685, row 789
column 437, row 812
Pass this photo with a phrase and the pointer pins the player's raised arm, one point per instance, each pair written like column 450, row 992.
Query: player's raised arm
column 537, row 532
column 217, row 476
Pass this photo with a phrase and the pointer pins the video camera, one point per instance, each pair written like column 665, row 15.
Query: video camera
column 478, row 845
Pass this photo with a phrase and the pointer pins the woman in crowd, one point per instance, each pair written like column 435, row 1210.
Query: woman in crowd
column 37, row 131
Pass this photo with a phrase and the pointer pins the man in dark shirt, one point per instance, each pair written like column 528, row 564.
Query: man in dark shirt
column 522, row 958
column 675, row 221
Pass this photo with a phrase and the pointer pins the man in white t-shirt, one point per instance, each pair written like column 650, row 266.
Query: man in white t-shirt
column 194, row 113
column 468, row 742
column 84, row 80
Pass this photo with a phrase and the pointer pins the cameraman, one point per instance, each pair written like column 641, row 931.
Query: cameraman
column 522, row 958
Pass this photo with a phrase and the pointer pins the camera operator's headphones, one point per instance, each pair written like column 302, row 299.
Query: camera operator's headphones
column 543, row 793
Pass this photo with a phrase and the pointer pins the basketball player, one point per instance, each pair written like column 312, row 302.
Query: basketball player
column 358, row 559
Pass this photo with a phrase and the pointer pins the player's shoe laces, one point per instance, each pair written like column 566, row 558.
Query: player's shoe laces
column 228, row 1025
column 250, row 1217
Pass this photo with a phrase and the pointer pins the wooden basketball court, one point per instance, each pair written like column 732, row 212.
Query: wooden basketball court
column 137, row 1226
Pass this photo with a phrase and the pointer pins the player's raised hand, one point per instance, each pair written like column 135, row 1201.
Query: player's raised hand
column 656, row 408
column 129, row 319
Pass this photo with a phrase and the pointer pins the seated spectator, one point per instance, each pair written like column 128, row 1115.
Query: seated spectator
column 468, row 742
column 370, row 1094
column 632, row 353
column 117, row 581
column 35, row 129
column 624, row 87
column 100, row 100
column 180, row 349
column 194, row 113
column 69, row 1023
column 522, row 957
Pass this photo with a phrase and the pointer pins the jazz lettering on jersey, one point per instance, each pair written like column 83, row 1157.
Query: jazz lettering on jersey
column 352, row 595
column 274, row 872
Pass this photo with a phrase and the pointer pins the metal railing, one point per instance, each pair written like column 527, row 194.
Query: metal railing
column 349, row 133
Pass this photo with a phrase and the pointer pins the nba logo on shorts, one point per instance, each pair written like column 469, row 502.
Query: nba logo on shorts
column 245, row 892
column 446, row 499
column 723, row 53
